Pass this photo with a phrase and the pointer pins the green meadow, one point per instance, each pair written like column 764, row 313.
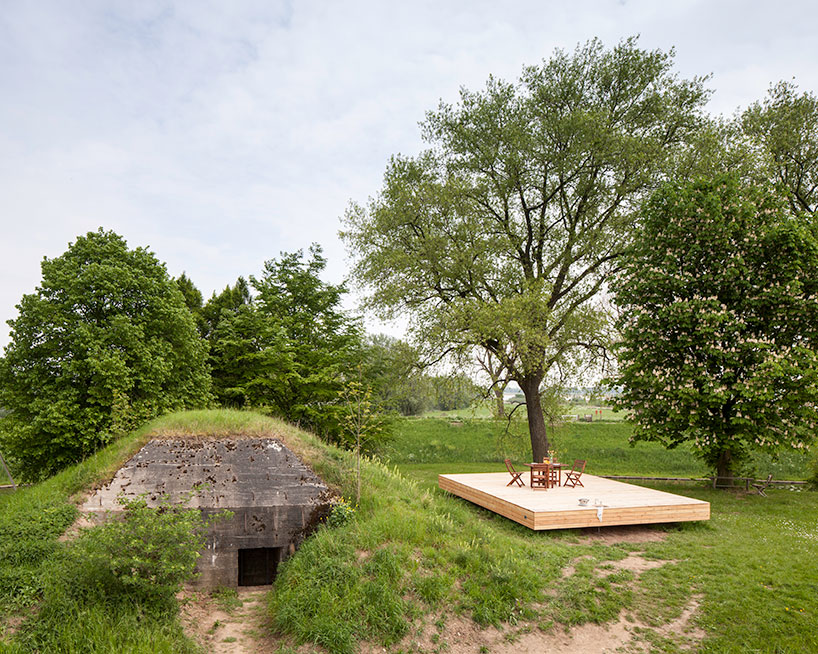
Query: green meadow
column 408, row 561
column 425, row 447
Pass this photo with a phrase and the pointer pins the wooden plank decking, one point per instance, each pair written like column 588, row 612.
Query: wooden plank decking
column 559, row 508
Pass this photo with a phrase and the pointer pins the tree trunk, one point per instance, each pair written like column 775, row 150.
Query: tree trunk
column 530, row 386
column 724, row 466
column 500, row 408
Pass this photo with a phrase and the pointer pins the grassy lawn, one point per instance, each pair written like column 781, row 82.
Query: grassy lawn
column 749, row 571
column 425, row 447
column 409, row 559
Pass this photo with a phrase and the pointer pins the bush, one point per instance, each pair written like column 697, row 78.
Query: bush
column 341, row 513
column 146, row 556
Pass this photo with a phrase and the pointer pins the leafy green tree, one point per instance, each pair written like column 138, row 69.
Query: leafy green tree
column 455, row 391
column 193, row 299
column 323, row 340
column 231, row 299
column 105, row 341
column 784, row 127
column 502, row 234
column 392, row 369
column 288, row 345
column 250, row 356
column 720, row 323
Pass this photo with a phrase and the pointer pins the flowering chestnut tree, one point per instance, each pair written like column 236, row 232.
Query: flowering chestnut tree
column 719, row 323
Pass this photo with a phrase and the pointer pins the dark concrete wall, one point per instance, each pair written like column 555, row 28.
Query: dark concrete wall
column 275, row 499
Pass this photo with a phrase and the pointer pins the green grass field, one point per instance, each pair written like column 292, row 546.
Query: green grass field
column 410, row 557
column 425, row 447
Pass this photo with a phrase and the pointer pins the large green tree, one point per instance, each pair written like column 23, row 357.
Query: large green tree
column 286, row 346
column 503, row 232
column 719, row 306
column 104, row 341
column 784, row 129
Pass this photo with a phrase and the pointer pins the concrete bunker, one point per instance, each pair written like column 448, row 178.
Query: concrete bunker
column 276, row 500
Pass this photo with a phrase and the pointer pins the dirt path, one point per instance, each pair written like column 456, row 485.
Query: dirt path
column 235, row 626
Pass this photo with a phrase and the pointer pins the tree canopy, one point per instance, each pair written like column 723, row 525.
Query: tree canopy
column 784, row 127
column 286, row 346
column 719, row 323
column 502, row 233
column 103, row 342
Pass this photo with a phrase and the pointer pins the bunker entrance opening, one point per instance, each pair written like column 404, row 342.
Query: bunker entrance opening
column 257, row 566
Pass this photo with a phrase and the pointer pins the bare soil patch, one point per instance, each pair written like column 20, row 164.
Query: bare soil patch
column 460, row 635
column 622, row 534
column 636, row 564
column 244, row 630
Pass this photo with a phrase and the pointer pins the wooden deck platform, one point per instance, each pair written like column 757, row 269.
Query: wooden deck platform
column 559, row 508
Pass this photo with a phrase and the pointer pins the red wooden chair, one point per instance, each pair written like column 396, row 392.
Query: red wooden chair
column 515, row 476
column 573, row 475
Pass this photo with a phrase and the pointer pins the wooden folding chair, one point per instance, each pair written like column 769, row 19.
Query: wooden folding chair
column 760, row 487
column 515, row 476
column 573, row 475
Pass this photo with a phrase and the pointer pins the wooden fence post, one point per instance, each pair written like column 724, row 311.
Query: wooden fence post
column 5, row 467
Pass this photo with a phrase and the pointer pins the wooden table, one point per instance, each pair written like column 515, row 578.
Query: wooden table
column 545, row 475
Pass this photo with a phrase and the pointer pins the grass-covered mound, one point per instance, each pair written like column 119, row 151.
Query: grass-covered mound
column 72, row 596
column 409, row 556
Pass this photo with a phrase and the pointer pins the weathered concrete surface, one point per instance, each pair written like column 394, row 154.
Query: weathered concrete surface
column 275, row 499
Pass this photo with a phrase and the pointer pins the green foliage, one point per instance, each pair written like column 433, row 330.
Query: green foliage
column 502, row 233
column 144, row 557
column 719, row 324
column 286, row 348
column 28, row 538
column 363, row 426
column 392, row 369
column 250, row 356
column 100, row 628
column 230, row 300
column 193, row 300
column 342, row 512
column 104, row 343
column 322, row 338
column 784, row 128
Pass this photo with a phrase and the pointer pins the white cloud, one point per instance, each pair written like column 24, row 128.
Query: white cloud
column 219, row 134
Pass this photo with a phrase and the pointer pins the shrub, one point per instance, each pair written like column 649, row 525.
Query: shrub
column 341, row 513
column 145, row 556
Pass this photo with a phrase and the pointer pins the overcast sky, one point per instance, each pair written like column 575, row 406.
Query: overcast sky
column 219, row 134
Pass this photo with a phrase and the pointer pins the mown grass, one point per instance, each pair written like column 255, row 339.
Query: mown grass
column 752, row 568
column 426, row 447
